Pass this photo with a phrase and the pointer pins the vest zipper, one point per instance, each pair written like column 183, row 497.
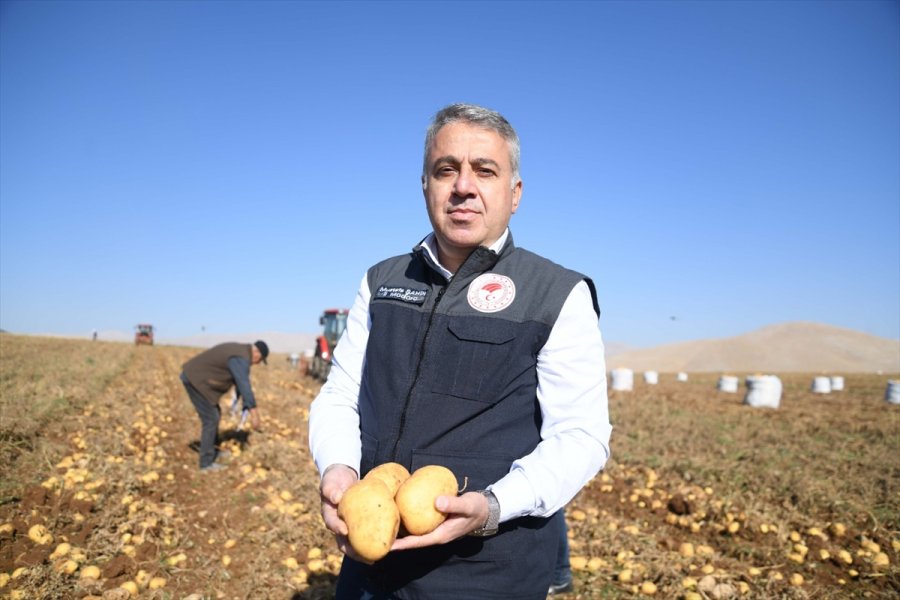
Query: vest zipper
column 415, row 380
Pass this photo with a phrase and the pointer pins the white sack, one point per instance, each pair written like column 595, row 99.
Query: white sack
column 821, row 385
column 763, row 391
column 728, row 383
column 892, row 392
column 622, row 379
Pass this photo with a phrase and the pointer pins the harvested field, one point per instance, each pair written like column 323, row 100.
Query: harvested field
column 704, row 497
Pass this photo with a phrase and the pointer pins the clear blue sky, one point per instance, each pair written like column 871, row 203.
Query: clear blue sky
column 238, row 165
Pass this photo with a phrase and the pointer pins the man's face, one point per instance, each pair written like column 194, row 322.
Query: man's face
column 468, row 189
column 256, row 355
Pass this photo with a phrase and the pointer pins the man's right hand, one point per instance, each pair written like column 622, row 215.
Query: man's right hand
column 335, row 481
column 255, row 421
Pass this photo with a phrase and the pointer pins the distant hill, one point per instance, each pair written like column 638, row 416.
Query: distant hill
column 612, row 348
column 277, row 342
column 783, row 348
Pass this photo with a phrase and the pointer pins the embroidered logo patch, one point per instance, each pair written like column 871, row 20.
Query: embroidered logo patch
column 401, row 294
column 491, row 293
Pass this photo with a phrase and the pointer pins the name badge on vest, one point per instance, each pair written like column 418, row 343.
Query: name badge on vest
column 401, row 294
column 490, row 293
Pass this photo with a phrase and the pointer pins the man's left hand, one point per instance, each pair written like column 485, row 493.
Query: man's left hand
column 465, row 514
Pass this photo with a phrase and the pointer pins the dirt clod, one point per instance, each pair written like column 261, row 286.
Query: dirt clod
column 679, row 505
column 117, row 566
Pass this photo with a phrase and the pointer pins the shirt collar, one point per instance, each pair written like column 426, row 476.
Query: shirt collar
column 429, row 244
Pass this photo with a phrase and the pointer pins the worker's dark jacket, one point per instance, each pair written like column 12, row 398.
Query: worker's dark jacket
column 450, row 379
column 214, row 371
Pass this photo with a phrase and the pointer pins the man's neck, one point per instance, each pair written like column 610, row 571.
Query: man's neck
column 452, row 262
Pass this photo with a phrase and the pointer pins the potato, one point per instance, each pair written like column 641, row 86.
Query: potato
column 392, row 474
column 372, row 517
column 416, row 497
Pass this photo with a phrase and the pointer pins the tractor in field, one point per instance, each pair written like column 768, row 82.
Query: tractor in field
column 333, row 321
column 143, row 334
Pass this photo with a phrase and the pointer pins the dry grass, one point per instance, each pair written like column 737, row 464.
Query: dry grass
column 816, row 461
column 101, row 435
column 41, row 381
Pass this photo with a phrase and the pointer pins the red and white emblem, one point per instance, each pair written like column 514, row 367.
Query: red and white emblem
column 491, row 293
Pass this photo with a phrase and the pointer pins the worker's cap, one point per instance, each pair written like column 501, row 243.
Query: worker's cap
column 263, row 349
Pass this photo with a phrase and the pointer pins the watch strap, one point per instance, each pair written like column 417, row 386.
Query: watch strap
column 492, row 524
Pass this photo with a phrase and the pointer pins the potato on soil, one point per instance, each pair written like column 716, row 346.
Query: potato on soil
column 416, row 497
column 372, row 517
column 392, row 474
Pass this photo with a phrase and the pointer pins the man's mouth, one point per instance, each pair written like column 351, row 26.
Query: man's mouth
column 463, row 215
column 462, row 211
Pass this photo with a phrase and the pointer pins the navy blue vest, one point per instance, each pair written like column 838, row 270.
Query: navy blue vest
column 450, row 379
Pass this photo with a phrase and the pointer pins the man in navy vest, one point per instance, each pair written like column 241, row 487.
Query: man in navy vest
column 474, row 354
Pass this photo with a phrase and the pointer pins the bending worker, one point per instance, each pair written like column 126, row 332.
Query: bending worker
column 475, row 354
column 209, row 375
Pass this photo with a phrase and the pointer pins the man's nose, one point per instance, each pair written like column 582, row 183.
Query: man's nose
column 464, row 185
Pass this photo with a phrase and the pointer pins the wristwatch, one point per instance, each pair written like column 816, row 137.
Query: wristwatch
column 492, row 525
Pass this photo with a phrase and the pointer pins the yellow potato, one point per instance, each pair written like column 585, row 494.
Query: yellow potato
column 40, row 535
column 416, row 497
column 392, row 474
column 372, row 517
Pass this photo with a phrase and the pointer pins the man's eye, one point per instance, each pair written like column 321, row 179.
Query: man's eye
column 485, row 172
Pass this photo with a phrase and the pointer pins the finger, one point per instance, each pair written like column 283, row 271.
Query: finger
column 343, row 543
column 333, row 521
column 447, row 531
column 409, row 542
column 332, row 493
column 443, row 504
column 455, row 505
column 336, row 526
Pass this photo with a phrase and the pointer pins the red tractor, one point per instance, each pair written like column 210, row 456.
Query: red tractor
column 143, row 334
column 334, row 322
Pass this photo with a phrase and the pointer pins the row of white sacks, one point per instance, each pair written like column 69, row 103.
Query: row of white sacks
column 762, row 390
column 622, row 379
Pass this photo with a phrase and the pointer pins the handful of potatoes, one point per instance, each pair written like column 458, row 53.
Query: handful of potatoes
column 374, row 506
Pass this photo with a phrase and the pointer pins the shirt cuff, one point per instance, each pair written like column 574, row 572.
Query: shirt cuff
column 515, row 495
column 337, row 454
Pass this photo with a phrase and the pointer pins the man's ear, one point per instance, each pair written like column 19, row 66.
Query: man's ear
column 517, row 195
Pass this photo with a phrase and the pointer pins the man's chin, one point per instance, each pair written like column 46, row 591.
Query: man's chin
column 462, row 246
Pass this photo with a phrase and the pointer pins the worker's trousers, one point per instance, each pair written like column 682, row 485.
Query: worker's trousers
column 209, row 414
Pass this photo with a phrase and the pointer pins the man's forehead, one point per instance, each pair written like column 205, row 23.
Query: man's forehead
column 459, row 128
column 490, row 146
